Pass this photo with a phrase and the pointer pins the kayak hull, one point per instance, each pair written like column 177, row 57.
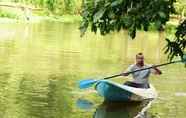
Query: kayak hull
column 115, row 92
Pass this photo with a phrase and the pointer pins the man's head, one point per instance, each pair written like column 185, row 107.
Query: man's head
column 140, row 59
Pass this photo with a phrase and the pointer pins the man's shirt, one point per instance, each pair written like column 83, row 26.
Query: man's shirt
column 140, row 77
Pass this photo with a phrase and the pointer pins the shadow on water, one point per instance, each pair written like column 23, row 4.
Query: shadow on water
column 119, row 109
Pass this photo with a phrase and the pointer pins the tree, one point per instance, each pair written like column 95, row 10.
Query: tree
column 114, row 15
column 176, row 46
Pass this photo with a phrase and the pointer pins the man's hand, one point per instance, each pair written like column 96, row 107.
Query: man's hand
column 125, row 74
column 157, row 71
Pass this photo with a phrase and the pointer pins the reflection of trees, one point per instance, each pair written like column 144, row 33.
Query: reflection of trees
column 43, row 98
column 60, row 101
column 32, row 97
column 3, row 95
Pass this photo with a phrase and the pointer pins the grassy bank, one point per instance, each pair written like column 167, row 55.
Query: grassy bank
column 36, row 11
column 7, row 15
column 64, row 18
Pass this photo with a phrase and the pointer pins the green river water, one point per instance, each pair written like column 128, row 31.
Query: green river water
column 41, row 64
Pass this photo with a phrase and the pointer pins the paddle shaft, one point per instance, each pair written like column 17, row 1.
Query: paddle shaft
column 143, row 69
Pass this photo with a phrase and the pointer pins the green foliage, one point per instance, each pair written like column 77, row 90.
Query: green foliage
column 177, row 46
column 56, row 7
column 114, row 15
column 7, row 14
column 180, row 7
column 50, row 4
column 69, row 6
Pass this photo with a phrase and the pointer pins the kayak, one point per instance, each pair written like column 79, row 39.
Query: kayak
column 115, row 92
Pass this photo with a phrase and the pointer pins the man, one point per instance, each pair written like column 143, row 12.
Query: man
column 140, row 78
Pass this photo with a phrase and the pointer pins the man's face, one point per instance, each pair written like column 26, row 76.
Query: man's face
column 140, row 60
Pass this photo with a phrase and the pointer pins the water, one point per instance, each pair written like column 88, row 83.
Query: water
column 119, row 109
column 41, row 64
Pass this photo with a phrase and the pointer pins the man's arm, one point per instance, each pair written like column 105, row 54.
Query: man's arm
column 129, row 69
column 157, row 71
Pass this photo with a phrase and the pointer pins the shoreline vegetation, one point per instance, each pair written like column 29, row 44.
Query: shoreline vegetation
column 34, row 11
column 65, row 19
column 66, row 11
column 21, row 16
column 18, row 16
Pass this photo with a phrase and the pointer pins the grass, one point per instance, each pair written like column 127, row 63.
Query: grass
column 19, row 16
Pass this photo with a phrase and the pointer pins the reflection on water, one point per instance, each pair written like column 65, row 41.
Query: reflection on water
column 37, row 96
column 84, row 104
column 118, row 109
column 30, row 95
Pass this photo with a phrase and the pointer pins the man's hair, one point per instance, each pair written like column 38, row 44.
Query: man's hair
column 139, row 54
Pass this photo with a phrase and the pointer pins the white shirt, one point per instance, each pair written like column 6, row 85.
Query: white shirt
column 140, row 77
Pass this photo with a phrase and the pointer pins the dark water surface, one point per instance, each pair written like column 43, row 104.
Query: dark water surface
column 41, row 63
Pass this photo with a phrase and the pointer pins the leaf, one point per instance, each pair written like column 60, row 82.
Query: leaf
column 83, row 27
column 94, row 28
column 158, row 24
column 96, row 2
column 132, row 31
column 116, row 3
column 127, row 21
column 98, row 15
column 107, row 4
column 162, row 14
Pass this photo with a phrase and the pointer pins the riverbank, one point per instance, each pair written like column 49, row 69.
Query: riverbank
column 32, row 19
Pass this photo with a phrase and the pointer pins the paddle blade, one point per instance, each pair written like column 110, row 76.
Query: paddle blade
column 83, row 84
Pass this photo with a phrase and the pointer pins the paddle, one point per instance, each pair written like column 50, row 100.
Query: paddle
column 83, row 84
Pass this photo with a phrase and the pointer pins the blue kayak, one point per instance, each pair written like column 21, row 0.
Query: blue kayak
column 115, row 92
